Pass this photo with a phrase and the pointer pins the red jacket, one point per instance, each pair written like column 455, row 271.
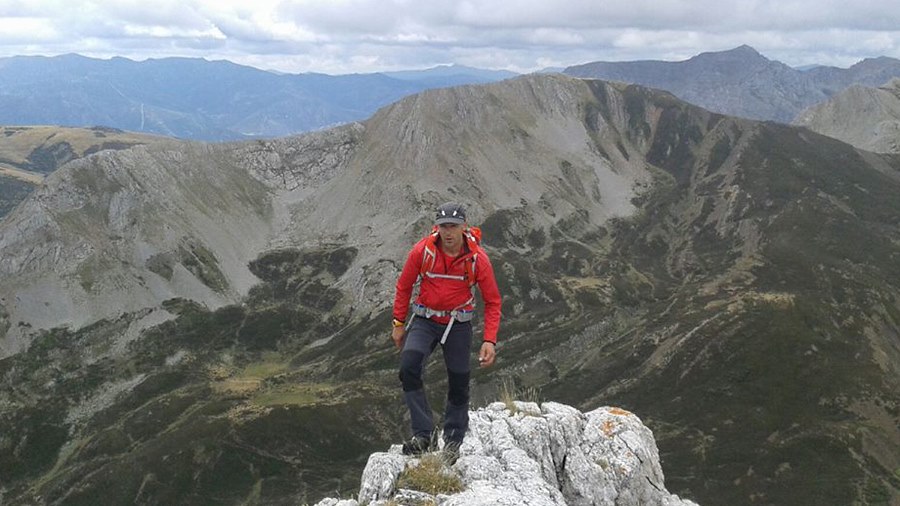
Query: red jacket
column 442, row 294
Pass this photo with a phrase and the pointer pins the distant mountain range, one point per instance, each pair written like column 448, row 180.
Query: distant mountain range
column 202, row 100
column 446, row 75
column 742, row 82
column 218, row 100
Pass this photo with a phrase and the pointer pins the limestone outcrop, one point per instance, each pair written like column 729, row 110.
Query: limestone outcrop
column 532, row 455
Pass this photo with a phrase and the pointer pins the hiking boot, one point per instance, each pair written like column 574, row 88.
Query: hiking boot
column 451, row 452
column 417, row 446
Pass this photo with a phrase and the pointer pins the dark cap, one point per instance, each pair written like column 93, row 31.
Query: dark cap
column 451, row 212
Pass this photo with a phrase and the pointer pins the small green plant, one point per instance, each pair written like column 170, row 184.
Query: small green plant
column 430, row 476
column 876, row 492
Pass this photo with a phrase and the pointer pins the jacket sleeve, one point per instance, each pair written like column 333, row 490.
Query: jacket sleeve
column 490, row 294
column 406, row 281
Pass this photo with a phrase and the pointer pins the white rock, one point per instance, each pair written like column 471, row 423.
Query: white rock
column 414, row 497
column 379, row 478
column 337, row 502
column 547, row 455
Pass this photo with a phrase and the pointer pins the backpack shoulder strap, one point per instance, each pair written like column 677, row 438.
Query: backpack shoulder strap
column 428, row 253
column 473, row 235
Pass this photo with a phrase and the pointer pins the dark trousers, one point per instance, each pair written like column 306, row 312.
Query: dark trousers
column 421, row 340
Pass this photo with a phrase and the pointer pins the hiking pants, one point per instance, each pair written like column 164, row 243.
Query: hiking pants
column 422, row 338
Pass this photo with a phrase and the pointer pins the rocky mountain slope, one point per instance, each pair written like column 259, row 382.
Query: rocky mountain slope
column 742, row 82
column 28, row 153
column 868, row 118
column 191, row 98
column 213, row 208
column 192, row 323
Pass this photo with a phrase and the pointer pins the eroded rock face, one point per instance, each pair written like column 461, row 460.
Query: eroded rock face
column 866, row 117
column 120, row 232
column 535, row 455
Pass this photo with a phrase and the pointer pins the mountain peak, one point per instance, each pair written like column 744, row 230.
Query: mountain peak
column 740, row 53
column 743, row 82
column 744, row 48
column 876, row 63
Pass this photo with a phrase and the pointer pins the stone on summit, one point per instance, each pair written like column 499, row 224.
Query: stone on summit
column 536, row 455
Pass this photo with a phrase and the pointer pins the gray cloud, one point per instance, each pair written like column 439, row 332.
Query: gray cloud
column 340, row 36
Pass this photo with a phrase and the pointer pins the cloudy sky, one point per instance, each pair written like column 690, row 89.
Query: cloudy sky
column 344, row 36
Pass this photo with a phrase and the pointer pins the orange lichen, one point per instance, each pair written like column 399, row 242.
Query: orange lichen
column 619, row 411
column 608, row 427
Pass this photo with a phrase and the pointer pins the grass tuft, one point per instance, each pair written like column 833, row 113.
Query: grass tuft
column 430, row 476
column 509, row 394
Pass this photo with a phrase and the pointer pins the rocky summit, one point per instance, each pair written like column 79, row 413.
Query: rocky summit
column 525, row 454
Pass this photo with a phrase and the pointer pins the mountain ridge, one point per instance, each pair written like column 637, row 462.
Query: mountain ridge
column 742, row 82
column 28, row 154
column 310, row 219
column 195, row 98
column 733, row 281
column 868, row 118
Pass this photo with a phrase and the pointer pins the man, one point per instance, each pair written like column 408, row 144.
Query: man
column 450, row 264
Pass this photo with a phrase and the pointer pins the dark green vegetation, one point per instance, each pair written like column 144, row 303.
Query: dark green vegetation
column 12, row 191
column 196, row 258
column 749, row 312
column 217, row 406
column 765, row 315
column 45, row 159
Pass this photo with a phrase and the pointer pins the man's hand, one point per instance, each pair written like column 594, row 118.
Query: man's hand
column 397, row 336
column 487, row 355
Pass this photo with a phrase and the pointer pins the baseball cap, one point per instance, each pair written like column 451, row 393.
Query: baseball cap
column 450, row 212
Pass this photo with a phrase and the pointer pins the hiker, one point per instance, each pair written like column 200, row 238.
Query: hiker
column 449, row 264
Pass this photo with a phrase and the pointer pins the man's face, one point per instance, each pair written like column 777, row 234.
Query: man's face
column 451, row 234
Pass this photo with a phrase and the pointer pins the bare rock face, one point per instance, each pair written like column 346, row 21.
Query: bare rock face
column 536, row 455
column 118, row 232
column 868, row 118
